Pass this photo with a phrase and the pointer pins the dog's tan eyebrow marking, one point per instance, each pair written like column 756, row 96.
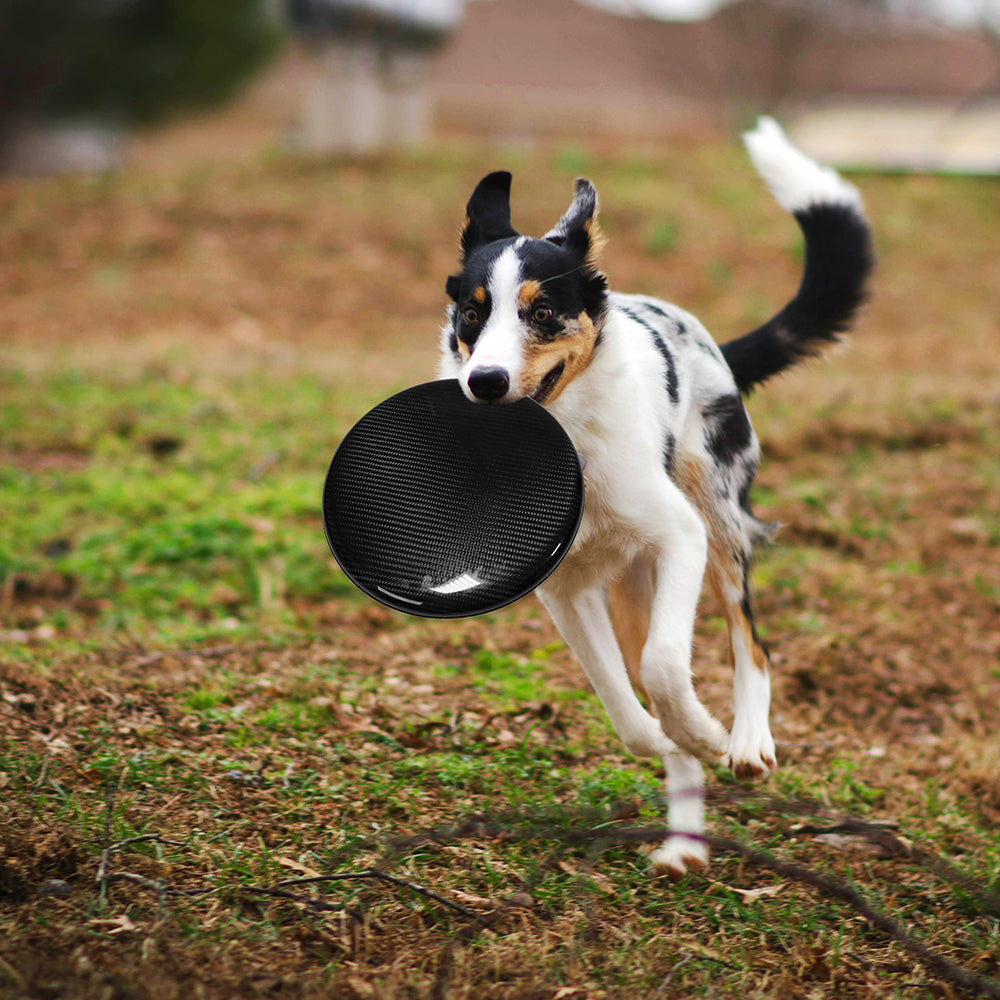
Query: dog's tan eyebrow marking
column 528, row 292
column 479, row 295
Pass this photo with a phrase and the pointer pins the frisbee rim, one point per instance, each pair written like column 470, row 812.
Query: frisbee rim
column 408, row 606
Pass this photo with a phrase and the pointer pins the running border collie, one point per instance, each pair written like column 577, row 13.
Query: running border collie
column 654, row 406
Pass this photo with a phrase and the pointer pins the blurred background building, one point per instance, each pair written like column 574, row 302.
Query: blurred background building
column 887, row 84
column 884, row 83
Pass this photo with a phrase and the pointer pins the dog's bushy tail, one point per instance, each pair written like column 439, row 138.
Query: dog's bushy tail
column 839, row 260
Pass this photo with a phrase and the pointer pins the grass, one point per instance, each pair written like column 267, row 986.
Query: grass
column 197, row 707
column 189, row 535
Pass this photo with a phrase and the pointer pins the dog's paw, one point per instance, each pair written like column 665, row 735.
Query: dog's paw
column 679, row 855
column 697, row 732
column 708, row 745
column 750, row 753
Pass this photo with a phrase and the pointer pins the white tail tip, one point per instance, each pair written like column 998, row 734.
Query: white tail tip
column 796, row 181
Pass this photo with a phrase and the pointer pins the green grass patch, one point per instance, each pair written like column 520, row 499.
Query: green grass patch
column 180, row 510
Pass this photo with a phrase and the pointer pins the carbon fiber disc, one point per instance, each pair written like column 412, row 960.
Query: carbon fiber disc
column 440, row 507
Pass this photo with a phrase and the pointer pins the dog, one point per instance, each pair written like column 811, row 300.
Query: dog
column 655, row 408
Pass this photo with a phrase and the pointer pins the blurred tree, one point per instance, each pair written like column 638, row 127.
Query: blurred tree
column 127, row 61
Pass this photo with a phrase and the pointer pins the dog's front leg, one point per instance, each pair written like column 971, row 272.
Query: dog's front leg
column 585, row 623
column 665, row 668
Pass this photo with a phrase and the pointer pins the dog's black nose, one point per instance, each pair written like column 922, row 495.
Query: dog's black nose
column 489, row 384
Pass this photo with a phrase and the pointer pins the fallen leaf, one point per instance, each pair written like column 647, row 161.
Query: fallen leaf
column 848, row 842
column 702, row 952
column 522, row 899
column 751, row 895
column 117, row 925
column 470, row 898
column 368, row 728
column 969, row 529
column 297, row 866
column 601, row 881
column 361, row 987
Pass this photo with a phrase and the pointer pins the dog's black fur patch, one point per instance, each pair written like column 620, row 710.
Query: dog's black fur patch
column 727, row 429
column 839, row 260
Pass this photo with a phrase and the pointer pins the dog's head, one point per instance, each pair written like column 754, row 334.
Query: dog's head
column 527, row 312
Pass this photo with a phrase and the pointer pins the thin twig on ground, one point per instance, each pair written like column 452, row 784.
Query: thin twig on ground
column 312, row 902
column 609, row 834
column 104, row 877
column 936, row 963
column 13, row 973
column 147, row 838
column 102, row 867
column 376, row 874
column 662, row 989
column 40, row 780
column 140, row 880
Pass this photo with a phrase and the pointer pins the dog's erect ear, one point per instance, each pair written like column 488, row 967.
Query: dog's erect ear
column 578, row 230
column 487, row 214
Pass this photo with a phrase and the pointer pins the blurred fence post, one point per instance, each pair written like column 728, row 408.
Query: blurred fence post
column 408, row 104
column 371, row 86
column 344, row 108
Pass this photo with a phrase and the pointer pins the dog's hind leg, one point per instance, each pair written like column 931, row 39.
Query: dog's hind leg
column 751, row 751
column 732, row 528
column 590, row 623
column 751, row 747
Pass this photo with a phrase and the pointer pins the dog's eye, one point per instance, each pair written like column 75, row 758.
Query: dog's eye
column 470, row 316
column 542, row 314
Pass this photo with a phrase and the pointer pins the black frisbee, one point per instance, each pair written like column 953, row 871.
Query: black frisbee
column 440, row 507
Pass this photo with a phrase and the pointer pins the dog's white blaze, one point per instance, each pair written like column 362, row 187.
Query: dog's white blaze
column 500, row 343
column 796, row 181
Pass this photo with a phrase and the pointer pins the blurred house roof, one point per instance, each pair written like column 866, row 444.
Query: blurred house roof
column 515, row 65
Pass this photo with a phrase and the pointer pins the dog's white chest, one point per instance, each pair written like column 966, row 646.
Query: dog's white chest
column 607, row 540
